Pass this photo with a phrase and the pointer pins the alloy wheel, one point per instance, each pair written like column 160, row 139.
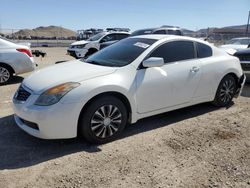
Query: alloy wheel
column 227, row 91
column 4, row 75
column 105, row 121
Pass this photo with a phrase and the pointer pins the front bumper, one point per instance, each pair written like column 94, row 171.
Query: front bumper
column 79, row 53
column 58, row 121
column 240, row 85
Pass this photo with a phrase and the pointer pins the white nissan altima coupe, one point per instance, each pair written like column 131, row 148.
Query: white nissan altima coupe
column 135, row 78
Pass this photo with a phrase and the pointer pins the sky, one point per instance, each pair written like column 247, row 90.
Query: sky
column 134, row 14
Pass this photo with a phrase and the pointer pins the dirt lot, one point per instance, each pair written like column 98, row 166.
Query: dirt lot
column 199, row 146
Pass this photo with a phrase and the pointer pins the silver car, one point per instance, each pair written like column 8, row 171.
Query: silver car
column 14, row 59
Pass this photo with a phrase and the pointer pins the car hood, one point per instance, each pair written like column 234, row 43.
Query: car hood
column 243, row 52
column 233, row 46
column 80, row 42
column 71, row 71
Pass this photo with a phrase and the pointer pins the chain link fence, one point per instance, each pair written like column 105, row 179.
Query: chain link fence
column 37, row 41
column 59, row 41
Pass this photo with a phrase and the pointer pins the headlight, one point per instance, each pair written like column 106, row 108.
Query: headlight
column 54, row 95
column 80, row 46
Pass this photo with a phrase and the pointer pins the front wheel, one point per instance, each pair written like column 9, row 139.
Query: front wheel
column 5, row 75
column 103, row 120
column 225, row 91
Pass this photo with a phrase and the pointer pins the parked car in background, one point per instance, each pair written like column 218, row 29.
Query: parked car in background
column 244, row 56
column 132, row 79
column 85, row 48
column 236, row 44
column 161, row 30
column 14, row 59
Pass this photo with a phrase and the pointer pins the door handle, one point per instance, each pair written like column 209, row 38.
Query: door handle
column 194, row 69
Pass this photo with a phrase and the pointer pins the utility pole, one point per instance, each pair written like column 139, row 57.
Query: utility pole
column 248, row 24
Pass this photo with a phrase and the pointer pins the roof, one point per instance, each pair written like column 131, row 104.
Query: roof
column 169, row 37
column 121, row 32
column 154, row 36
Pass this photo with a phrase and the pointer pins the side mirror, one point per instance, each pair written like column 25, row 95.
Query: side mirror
column 248, row 46
column 153, row 62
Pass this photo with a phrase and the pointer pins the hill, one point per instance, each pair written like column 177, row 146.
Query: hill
column 46, row 32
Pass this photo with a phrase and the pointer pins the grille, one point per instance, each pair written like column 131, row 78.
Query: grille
column 22, row 94
column 244, row 58
column 245, row 66
column 30, row 124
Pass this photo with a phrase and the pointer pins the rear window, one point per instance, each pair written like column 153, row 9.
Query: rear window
column 203, row 50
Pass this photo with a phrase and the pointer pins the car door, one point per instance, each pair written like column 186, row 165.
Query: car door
column 172, row 84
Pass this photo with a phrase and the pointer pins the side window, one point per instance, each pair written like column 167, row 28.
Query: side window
column 203, row 50
column 174, row 32
column 175, row 51
column 121, row 36
column 108, row 38
column 160, row 32
column 171, row 32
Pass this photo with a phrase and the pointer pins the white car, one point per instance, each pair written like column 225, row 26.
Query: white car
column 236, row 44
column 14, row 59
column 85, row 48
column 132, row 79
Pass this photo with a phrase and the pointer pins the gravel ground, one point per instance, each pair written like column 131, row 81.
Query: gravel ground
column 199, row 146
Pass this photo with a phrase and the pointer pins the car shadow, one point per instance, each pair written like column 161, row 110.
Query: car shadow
column 14, row 80
column 18, row 149
column 58, row 62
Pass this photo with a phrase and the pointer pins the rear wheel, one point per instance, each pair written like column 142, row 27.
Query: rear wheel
column 5, row 74
column 225, row 91
column 103, row 120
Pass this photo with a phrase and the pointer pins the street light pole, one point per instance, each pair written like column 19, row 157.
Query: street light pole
column 247, row 23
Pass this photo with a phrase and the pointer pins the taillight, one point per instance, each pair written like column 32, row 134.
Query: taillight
column 26, row 51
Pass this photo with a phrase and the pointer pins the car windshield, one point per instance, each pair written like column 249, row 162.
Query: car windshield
column 239, row 41
column 121, row 53
column 96, row 37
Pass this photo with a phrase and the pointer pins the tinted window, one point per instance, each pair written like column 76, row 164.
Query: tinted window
column 142, row 32
column 175, row 51
column 96, row 37
column 109, row 37
column 203, row 50
column 121, row 53
column 121, row 36
column 177, row 32
column 160, row 32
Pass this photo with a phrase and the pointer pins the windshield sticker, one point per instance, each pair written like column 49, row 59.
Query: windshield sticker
column 141, row 45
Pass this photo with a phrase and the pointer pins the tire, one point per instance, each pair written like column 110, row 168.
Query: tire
column 103, row 120
column 5, row 75
column 225, row 91
column 90, row 52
